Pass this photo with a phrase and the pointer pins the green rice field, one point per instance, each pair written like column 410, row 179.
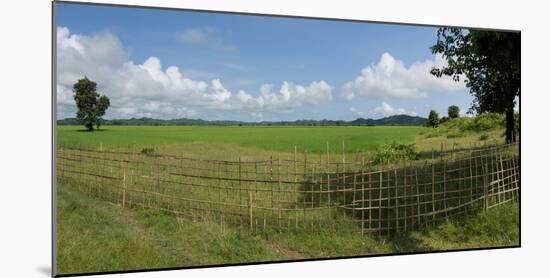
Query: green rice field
column 269, row 138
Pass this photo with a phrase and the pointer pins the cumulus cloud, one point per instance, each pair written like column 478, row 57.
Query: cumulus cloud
column 384, row 109
column 204, row 36
column 357, row 111
column 149, row 90
column 391, row 78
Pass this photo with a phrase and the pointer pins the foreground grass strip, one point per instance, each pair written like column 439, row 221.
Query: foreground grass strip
column 98, row 236
column 94, row 235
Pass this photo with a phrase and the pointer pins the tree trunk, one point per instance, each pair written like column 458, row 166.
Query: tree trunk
column 510, row 126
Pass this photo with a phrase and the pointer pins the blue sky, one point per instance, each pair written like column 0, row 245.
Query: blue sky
column 248, row 68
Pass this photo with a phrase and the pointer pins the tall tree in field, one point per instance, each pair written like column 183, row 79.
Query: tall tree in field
column 489, row 61
column 433, row 119
column 453, row 112
column 91, row 105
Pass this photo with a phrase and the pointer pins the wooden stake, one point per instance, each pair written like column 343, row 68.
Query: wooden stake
column 417, row 196
column 433, row 187
column 124, row 185
column 344, row 173
column 396, row 203
column 445, row 187
column 240, row 182
column 295, row 169
column 379, row 193
column 271, row 178
column 485, row 184
column 250, row 211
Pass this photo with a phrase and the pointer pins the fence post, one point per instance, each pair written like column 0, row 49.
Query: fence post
column 502, row 178
column 405, row 195
column 295, row 168
column 124, row 185
column 344, row 174
column 328, row 175
column 379, row 193
column 433, row 187
column 362, row 194
column 471, row 176
column 240, row 183
column 485, row 185
column 417, row 196
column 445, row 187
column 396, row 203
column 250, row 211
column 271, row 178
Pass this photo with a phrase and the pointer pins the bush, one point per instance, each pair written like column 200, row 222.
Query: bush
column 483, row 137
column 394, row 152
column 484, row 122
column 148, row 151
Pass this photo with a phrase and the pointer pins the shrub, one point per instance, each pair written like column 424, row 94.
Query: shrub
column 483, row 137
column 148, row 151
column 394, row 152
column 484, row 122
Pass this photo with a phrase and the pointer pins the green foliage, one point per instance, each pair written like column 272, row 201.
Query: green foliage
column 388, row 153
column 91, row 105
column 453, row 112
column 486, row 123
column 433, row 119
column 148, row 151
column 489, row 63
column 483, row 122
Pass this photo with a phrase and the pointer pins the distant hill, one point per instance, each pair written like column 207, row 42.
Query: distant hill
column 404, row 120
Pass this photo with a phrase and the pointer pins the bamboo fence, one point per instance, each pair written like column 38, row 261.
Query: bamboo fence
column 306, row 191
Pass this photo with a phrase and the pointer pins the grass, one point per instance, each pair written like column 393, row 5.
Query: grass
column 107, row 237
column 272, row 138
column 486, row 129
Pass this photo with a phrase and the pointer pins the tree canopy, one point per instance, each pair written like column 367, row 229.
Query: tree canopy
column 453, row 112
column 489, row 62
column 433, row 119
column 91, row 105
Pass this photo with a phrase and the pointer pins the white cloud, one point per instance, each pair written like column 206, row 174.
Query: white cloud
column 148, row 90
column 384, row 109
column 204, row 36
column 391, row 78
column 357, row 111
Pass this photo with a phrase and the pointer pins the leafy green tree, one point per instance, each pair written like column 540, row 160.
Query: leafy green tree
column 489, row 62
column 433, row 119
column 91, row 105
column 453, row 112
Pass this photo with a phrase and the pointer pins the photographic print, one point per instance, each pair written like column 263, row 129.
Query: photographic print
column 188, row 138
